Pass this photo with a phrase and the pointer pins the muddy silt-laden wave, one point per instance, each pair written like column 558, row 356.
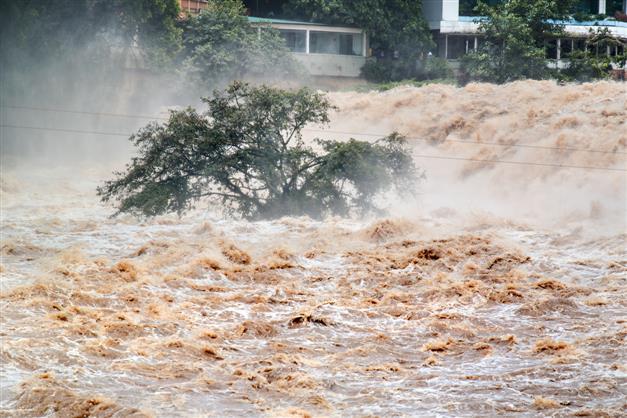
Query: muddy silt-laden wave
column 450, row 310
column 535, row 122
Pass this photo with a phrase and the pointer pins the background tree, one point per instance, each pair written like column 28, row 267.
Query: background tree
column 247, row 152
column 594, row 63
column 93, row 55
column 49, row 48
column 514, row 33
column 399, row 34
column 221, row 45
column 58, row 29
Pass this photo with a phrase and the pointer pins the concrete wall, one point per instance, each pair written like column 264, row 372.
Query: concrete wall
column 450, row 9
column 331, row 65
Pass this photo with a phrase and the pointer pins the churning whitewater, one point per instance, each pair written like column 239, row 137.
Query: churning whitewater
column 500, row 289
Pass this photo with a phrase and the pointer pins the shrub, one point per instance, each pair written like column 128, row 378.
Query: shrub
column 435, row 68
column 379, row 71
column 383, row 71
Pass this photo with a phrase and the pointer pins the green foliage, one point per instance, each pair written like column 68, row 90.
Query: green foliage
column 380, row 71
column 583, row 16
column 50, row 50
column 149, row 24
column 376, row 71
column 56, row 29
column 594, row 63
column 364, row 88
column 468, row 7
column 392, row 25
column 383, row 71
column 247, row 153
column 220, row 45
column 514, row 32
column 434, row 68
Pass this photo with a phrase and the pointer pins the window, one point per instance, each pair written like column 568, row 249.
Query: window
column 550, row 47
column 457, row 47
column 580, row 44
column 335, row 43
column 592, row 6
column 566, row 47
column 294, row 39
column 323, row 43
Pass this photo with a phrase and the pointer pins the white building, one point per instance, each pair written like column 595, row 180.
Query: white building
column 456, row 35
column 337, row 51
column 329, row 51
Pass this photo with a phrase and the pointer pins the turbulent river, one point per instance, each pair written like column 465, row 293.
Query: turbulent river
column 499, row 291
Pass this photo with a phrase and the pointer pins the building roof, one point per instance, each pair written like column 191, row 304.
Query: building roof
column 470, row 24
column 253, row 19
column 570, row 22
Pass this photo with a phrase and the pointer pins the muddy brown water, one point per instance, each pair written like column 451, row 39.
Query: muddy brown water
column 432, row 311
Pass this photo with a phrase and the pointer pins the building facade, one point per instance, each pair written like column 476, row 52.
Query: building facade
column 456, row 34
column 324, row 50
column 337, row 51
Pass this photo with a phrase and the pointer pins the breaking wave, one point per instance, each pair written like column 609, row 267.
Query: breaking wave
column 498, row 291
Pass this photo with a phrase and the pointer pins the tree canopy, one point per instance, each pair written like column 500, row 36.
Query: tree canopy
column 247, row 153
column 594, row 62
column 42, row 29
column 516, row 33
column 391, row 24
column 396, row 28
column 221, row 45
column 52, row 50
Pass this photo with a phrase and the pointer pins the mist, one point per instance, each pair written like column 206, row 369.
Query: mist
column 567, row 144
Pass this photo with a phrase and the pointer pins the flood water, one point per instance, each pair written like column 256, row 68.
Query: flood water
column 499, row 291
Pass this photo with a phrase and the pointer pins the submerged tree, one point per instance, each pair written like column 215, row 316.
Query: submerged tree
column 247, row 153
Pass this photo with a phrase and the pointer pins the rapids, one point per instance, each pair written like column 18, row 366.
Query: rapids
column 500, row 290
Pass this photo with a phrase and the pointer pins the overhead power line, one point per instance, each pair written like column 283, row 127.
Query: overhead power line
column 437, row 157
column 415, row 155
column 368, row 134
column 74, row 131
column 461, row 141
column 84, row 112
